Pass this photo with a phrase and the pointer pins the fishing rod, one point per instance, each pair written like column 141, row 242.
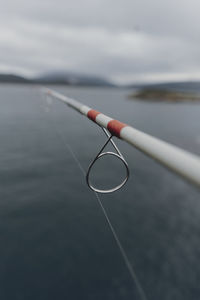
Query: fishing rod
column 179, row 161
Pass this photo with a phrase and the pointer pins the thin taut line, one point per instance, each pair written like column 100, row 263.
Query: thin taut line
column 121, row 248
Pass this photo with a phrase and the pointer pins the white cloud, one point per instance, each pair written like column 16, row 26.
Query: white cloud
column 124, row 40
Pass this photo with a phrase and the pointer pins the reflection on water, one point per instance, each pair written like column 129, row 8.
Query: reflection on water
column 55, row 242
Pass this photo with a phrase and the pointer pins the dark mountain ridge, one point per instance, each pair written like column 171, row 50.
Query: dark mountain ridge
column 71, row 78
column 62, row 78
column 74, row 79
column 11, row 78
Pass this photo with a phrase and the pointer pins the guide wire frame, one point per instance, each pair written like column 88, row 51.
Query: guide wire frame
column 100, row 154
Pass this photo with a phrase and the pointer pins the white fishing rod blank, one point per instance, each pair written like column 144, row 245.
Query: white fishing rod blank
column 183, row 163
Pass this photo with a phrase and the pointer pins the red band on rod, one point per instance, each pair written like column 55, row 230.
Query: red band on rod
column 92, row 114
column 115, row 127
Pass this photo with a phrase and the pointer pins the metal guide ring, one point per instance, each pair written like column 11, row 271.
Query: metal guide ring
column 101, row 154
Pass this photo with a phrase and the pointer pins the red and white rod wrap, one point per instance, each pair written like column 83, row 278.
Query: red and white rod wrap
column 179, row 161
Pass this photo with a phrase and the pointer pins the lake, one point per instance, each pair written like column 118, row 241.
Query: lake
column 55, row 241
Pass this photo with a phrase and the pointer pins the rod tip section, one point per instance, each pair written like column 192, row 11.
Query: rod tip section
column 46, row 90
column 115, row 127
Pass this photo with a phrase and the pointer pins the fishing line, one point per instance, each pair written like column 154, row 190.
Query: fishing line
column 130, row 269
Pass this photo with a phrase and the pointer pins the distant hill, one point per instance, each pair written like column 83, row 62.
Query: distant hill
column 163, row 95
column 169, row 91
column 62, row 78
column 73, row 79
column 11, row 78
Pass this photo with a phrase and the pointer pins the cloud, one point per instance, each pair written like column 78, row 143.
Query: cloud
column 124, row 40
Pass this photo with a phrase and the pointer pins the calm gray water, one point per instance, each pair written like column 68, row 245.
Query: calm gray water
column 55, row 242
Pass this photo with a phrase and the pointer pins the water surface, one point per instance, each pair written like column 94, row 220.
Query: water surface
column 55, row 242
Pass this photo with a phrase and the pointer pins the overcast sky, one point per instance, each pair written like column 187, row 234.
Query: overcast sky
column 126, row 40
